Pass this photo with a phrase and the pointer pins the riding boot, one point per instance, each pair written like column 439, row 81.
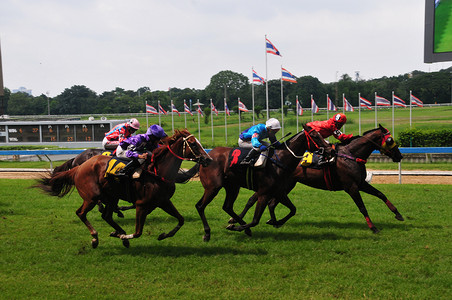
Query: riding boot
column 128, row 169
column 250, row 157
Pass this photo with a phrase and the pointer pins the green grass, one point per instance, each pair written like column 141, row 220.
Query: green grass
column 326, row 251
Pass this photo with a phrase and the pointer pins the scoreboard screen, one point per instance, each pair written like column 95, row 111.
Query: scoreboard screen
column 55, row 132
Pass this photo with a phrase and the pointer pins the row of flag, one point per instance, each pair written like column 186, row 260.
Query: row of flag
column 152, row 110
column 362, row 103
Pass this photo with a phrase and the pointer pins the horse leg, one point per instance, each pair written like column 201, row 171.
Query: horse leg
column 207, row 197
column 262, row 201
column 170, row 209
column 81, row 213
column 367, row 188
column 140, row 218
column 248, row 205
column 107, row 215
column 354, row 193
column 123, row 208
column 271, row 207
column 228, row 206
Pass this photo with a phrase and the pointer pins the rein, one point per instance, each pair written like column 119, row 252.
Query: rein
column 308, row 139
column 357, row 159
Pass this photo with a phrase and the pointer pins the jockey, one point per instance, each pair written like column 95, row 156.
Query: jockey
column 252, row 138
column 119, row 133
column 332, row 127
column 136, row 147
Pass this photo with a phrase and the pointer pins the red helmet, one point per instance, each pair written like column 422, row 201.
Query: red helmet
column 340, row 118
column 134, row 124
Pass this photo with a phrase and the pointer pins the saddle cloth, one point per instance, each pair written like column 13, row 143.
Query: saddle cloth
column 239, row 154
column 114, row 165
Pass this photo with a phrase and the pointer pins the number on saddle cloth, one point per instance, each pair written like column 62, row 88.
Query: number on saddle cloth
column 114, row 165
column 237, row 155
column 311, row 160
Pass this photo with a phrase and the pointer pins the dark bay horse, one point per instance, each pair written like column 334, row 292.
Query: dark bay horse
column 153, row 189
column 268, row 182
column 80, row 159
column 347, row 174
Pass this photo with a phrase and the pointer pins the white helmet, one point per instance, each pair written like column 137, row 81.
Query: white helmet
column 272, row 123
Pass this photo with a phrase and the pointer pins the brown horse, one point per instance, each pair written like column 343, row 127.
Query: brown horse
column 347, row 174
column 268, row 182
column 153, row 189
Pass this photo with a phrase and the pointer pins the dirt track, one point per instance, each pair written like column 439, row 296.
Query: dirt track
column 406, row 179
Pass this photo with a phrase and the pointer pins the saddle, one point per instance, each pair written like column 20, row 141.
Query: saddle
column 114, row 165
column 237, row 155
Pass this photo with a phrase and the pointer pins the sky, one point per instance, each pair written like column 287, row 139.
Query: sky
column 50, row 45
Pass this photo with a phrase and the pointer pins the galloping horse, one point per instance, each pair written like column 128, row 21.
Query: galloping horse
column 348, row 173
column 268, row 182
column 153, row 189
column 79, row 159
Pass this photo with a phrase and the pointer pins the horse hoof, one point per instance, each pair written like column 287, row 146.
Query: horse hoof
column 162, row 236
column 248, row 232
column 399, row 217
column 232, row 221
column 230, row 227
column 375, row 230
column 206, row 238
column 126, row 243
column 271, row 222
column 94, row 243
column 120, row 214
column 114, row 234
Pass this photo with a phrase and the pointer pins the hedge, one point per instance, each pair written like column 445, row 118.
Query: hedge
column 425, row 138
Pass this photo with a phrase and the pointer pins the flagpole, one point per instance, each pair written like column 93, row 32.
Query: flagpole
column 393, row 112
column 172, row 115
column 252, row 89
column 158, row 102
column 359, row 110
column 327, row 106
column 240, row 127
column 296, row 111
column 343, row 109
column 410, row 108
column 312, row 109
column 282, row 104
column 147, row 121
column 225, row 122
column 185, row 115
column 266, row 78
column 199, row 127
column 211, row 117
column 376, row 109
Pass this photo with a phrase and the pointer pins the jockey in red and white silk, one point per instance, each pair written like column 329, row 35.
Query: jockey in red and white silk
column 332, row 127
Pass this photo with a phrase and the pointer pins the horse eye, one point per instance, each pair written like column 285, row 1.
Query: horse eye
column 389, row 141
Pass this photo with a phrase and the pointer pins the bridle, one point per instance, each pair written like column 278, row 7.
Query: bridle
column 309, row 140
column 384, row 147
column 187, row 144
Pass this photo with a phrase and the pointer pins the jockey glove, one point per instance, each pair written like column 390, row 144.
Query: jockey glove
column 263, row 147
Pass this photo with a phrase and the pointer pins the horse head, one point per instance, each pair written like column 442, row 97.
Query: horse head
column 388, row 146
column 192, row 148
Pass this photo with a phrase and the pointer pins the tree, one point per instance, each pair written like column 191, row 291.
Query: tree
column 77, row 100
column 234, row 85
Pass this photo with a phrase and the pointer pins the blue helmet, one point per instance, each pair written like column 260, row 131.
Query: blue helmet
column 156, row 131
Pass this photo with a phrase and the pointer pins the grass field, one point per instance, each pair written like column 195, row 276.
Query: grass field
column 326, row 251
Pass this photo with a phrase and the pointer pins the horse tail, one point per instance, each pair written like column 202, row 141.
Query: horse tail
column 58, row 184
column 64, row 167
column 184, row 176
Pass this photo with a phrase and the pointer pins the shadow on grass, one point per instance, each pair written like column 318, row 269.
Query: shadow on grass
column 180, row 251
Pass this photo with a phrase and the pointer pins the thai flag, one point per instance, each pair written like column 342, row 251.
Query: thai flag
column 398, row 101
column 287, row 76
column 174, row 109
column 257, row 78
column 314, row 107
column 416, row 101
column 382, row 101
column 365, row 103
column 161, row 110
column 151, row 109
column 299, row 109
column 200, row 111
column 187, row 109
column 242, row 107
column 348, row 106
column 331, row 105
column 226, row 108
column 271, row 48
column 213, row 108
